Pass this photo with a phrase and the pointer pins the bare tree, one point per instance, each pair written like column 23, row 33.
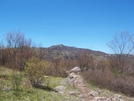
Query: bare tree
column 122, row 46
column 16, row 40
column 17, row 49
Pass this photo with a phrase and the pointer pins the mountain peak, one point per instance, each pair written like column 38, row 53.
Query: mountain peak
column 70, row 51
column 61, row 46
column 58, row 45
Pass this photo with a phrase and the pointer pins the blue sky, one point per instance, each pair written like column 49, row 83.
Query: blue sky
column 81, row 23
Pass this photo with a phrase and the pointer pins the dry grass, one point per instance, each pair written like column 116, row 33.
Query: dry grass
column 105, row 79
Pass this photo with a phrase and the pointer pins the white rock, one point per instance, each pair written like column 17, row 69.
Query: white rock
column 94, row 93
column 82, row 95
column 45, row 76
column 60, row 88
column 118, row 96
column 74, row 93
column 76, row 69
column 100, row 98
column 72, row 76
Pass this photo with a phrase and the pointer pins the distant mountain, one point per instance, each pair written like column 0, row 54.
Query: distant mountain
column 63, row 51
column 61, row 47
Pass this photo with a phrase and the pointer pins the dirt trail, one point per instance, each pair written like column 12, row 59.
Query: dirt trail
column 80, row 84
column 85, row 91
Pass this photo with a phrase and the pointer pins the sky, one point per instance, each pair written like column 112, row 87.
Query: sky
column 80, row 23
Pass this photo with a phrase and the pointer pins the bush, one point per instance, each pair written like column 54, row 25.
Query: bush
column 104, row 78
column 35, row 70
column 58, row 67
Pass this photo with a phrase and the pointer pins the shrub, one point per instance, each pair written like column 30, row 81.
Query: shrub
column 104, row 78
column 84, row 60
column 35, row 69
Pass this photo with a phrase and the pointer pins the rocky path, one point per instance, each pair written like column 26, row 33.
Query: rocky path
column 87, row 94
column 79, row 83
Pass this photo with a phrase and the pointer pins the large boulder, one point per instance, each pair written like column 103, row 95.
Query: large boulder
column 76, row 69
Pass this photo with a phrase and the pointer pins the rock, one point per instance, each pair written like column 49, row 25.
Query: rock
column 75, row 79
column 117, row 97
column 72, row 78
column 45, row 76
column 95, row 93
column 38, row 82
column 60, row 89
column 109, row 99
column 76, row 69
column 79, row 80
column 82, row 95
column 99, row 99
column 75, row 93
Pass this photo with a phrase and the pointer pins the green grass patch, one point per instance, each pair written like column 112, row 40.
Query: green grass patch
column 24, row 91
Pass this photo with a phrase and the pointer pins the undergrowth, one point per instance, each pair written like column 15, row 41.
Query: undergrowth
column 107, row 80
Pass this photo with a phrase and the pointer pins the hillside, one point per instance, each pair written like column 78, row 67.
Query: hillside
column 67, row 52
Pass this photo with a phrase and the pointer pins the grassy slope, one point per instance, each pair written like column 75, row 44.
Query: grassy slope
column 27, row 93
